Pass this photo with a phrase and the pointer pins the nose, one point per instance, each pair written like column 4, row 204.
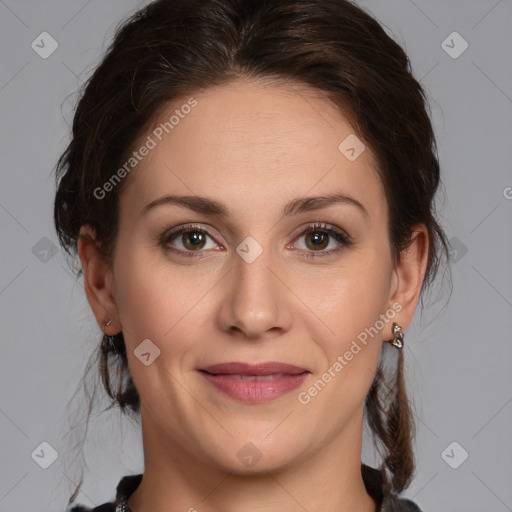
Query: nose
column 256, row 303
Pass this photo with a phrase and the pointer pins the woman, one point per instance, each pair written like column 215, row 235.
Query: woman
column 249, row 188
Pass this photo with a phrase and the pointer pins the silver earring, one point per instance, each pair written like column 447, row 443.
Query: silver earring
column 398, row 336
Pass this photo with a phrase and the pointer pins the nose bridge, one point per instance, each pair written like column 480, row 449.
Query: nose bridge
column 254, row 280
column 256, row 301
column 255, row 277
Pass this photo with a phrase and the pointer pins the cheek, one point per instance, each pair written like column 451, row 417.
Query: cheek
column 156, row 304
column 352, row 307
column 351, row 350
column 353, row 298
column 153, row 301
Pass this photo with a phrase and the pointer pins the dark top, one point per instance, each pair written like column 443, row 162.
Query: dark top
column 372, row 480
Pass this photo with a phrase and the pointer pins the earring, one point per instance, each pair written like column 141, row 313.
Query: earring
column 109, row 322
column 398, row 336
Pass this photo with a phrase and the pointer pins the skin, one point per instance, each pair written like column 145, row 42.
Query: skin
column 253, row 147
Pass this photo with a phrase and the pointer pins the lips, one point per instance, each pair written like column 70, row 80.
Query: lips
column 254, row 383
column 246, row 369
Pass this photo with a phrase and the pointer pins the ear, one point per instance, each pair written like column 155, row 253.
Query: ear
column 98, row 282
column 408, row 276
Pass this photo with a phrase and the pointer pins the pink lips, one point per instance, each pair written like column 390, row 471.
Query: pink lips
column 255, row 383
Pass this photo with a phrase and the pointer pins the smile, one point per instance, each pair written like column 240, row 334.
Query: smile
column 255, row 388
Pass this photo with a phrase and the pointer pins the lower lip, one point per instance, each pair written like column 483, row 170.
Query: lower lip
column 255, row 390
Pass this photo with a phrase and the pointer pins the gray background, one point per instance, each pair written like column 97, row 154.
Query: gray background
column 458, row 353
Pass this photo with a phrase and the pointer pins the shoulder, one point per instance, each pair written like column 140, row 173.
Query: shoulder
column 409, row 506
column 393, row 503
column 386, row 502
column 124, row 489
column 106, row 507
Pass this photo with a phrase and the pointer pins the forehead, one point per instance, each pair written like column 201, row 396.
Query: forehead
column 247, row 138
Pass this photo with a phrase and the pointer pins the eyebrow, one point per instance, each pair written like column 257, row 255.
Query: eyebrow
column 205, row 205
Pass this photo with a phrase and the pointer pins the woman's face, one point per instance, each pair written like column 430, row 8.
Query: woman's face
column 245, row 284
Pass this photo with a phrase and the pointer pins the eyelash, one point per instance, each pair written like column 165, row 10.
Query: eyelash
column 328, row 229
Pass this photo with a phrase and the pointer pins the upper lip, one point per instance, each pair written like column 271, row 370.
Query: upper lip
column 239, row 368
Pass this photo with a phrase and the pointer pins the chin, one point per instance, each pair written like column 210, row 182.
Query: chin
column 245, row 457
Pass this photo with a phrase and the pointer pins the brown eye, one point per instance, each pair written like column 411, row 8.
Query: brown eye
column 193, row 240
column 319, row 240
column 188, row 240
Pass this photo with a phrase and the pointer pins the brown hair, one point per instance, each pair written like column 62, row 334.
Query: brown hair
column 173, row 48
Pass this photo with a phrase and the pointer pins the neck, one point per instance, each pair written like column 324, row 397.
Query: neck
column 329, row 480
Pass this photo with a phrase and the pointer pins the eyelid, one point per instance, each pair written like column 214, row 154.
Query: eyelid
column 321, row 226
